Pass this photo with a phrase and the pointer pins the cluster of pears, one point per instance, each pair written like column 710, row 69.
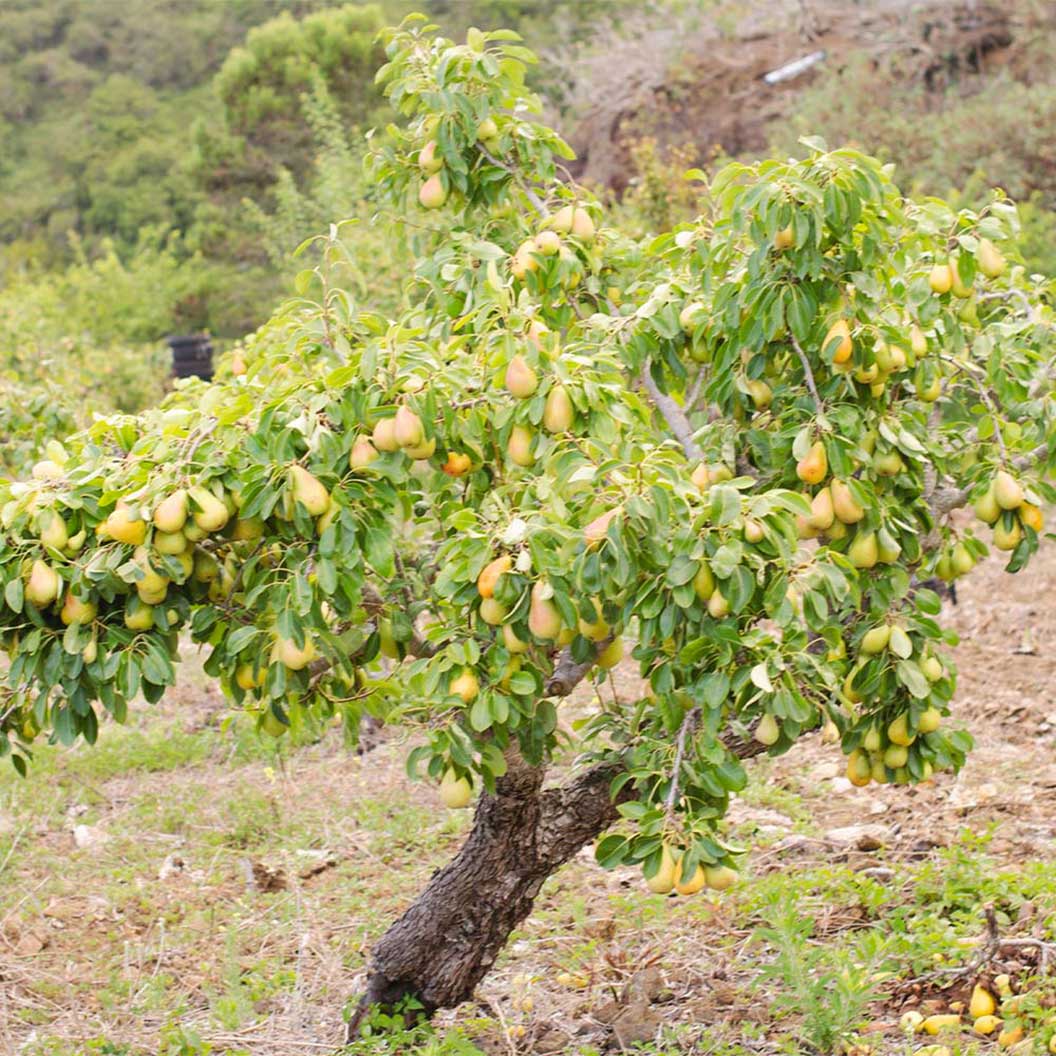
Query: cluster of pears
column 433, row 192
column 404, row 431
column 569, row 220
column 884, row 752
column 669, row 876
column 1004, row 507
column 876, row 366
column 954, row 561
column 945, row 277
column 559, row 414
column 986, row 1013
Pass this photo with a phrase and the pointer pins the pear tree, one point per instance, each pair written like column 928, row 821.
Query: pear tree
column 731, row 456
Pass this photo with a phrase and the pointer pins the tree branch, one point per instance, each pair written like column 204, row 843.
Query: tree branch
column 689, row 725
column 675, row 417
column 808, row 374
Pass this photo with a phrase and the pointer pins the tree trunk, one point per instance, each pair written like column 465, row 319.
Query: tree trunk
column 447, row 940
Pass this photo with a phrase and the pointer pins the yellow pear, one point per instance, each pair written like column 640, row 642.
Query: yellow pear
column 212, row 514
column 139, row 616
column 598, row 528
column 1007, row 533
column 457, row 464
column 663, row 880
column 548, row 243
column 958, row 287
column 930, row 719
column 408, row 428
column 123, row 527
column 524, row 260
column 933, row 670
column 574, row 221
column 839, row 331
column 753, row 531
column 986, row 1024
column 718, row 606
column 455, row 792
column 432, row 193
column 898, row 732
column 611, row 655
column 689, row 885
column 465, row 685
column 544, row 621
column 247, row 678
column 171, row 513
column 784, row 239
column 1007, row 491
column 287, row 651
column 423, row 450
column 990, row 259
column 47, row 469
column 521, row 380
column 940, row 279
column 843, row 504
column 821, row 510
column 704, row 582
column 362, row 454
column 863, row 551
column 512, row 642
column 701, row 477
column 309, row 491
column 814, row 465
column 961, row 560
column 489, row 576
column 768, row 731
column 918, row 343
column 383, row 435
column 429, row 160
column 720, row 877
column 558, row 413
column 859, row 769
column 90, row 651
column 1031, row 516
column 936, row 1024
column 493, row 612
column 170, row 542
column 597, row 631
column 761, row 393
column 42, row 586
column 875, row 639
column 986, row 506
column 519, row 446
column 487, row 129
column 76, row 611
column 690, row 316
column 888, row 463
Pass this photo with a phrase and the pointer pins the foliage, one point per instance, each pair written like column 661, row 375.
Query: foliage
column 359, row 486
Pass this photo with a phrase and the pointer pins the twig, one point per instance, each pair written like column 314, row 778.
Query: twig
column 808, row 374
column 689, row 724
column 675, row 417
column 1001, row 295
column 988, row 403
column 536, row 202
column 694, row 391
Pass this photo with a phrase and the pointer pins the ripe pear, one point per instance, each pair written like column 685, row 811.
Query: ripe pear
column 362, row 454
column 990, row 259
column 139, row 616
column 888, row 463
column 521, row 380
column 768, row 731
column 814, row 465
column 720, row 877
column 898, row 731
column 598, row 528
column 465, row 685
column 537, row 331
column 863, row 551
column 918, row 343
column 574, row 221
column 597, row 631
column 961, row 560
column 689, row 885
column 690, row 316
column 296, row 658
column 986, row 506
column 718, row 606
column 493, row 612
column 611, row 655
column 212, row 514
column 548, row 243
column 544, row 621
column 76, row 611
column 47, row 469
column 90, row 651
column 489, row 576
column 455, row 792
column 123, row 527
column 753, row 532
column 383, row 435
column 1007, row 491
column 895, row 756
column 432, row 193
column 42, row 586
column 932, row 668
column 1007, row 533
column 247, row 678
column 663, row 880
column 839, row 331
column 859, row 769
column 821, row 510
column 985, row 1025
column 704, row 582
column 558, row 413
column 701, row 477
column 524, row 260
column 309, row 491
column 171, row 513
column 930, row 720
column 940, row 279
column 425, row 449
column 784, row 239
column 457, row 464
column 170, row 542
column 429, row 159
column 875, row 639
column 761, row 393
column 512, row 642
column 1031, row 516
column 519, row 446
column 937, row 1024
column 958, row 287
column 843, row 504
column 408, row 429
column 53, row 533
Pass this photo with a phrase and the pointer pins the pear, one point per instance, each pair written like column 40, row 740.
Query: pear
column 362, row 454
column 139, row 616
column 170, row 542
column 937, row 1024
column 918, row 343
column 814, row 465
column 1031, row 517
column 932, row 668
column 753, row 532
column 720, row 877
column 839, row 331
column 690, row 316
column 988, row 1024
column 598, row 630
column 663, row 880
column 859, row 769
column 47, row 469
column 408, row 429
column 598, row 528
column 928, row 384
column 245, row 529
column 455, row 792
column 572, row 220
column 986, row 507
column 90, row 651
column 548, row 243
column 465, row 685
column 53, row 533
column 761, row 393
column 930, row 720
column 206, row 567
column 383, row 436
column 425, row 449
column 990, row 259
column 1007, row 533
column 692, row 884
column 961, row 560
column 76, row 611
column 867, row 373
column 487, row 129
column 523, row 260
column 123, row 527
column 153, row 586
column 489, row 577
column 940, row 279
column 544, row 621
column 493, row 612
column 429, row 159
column 784, row 239
column 863, row 551
column 309, row 491
column 888, row 463
column 76, row 542
column 432, row 193
column 512, row 642
column 704, row 582
column 958, row 287
column 821, row 510
column 701, row 477
column 611, row 655
column 871, row 740
column 875, row 639
column 171, row 513
column 519, row 446
column 457, row 464
column 718, row 606
column 295, row 657
column 521, row 380
column 768, row 732
column 895, row 756
column 537, row 331
column 247, row 678
column 1007, row 491
column 898, row 732
column 843, row 504
column 212, row 514
column 42, row 586
column 558, row 413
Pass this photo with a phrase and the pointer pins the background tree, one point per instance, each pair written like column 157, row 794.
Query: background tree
column 731, row 451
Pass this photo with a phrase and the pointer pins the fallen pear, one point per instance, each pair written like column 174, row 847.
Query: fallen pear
column 42, row 586
column 309, row 491
column 982, row 1002
column 936, row 1024
column 843, row 504
column 521, row 380
column 986, row 1024
column 489, row 576
column 663, row 880
column 544, row 621
column 558, row 413
column 1011, row 1036
column 432, row 193
column 814, row 465
column 455, row 792
column 519, row 446
column 170, row 515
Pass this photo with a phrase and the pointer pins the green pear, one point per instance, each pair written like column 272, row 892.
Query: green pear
column 309, row 491
column 558, row 413
column 212, row 513
column 42, row 587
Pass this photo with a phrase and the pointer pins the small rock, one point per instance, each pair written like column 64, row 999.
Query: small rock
column 825, row 772
column 841, row 784
column 88, row 836
column 635, row 1025
column 172, row 866
column 863, row 837
column 878, row 872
